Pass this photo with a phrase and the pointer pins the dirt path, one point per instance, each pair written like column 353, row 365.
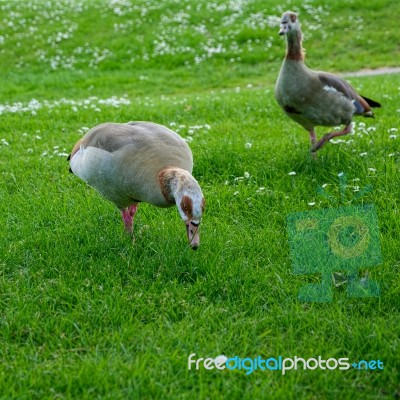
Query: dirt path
column 372, row 72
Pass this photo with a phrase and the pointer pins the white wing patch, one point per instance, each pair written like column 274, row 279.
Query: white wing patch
column 90, row 163
column 330, row 88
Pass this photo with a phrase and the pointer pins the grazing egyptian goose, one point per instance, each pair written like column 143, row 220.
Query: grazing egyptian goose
column 313, row 98
column 140, row 162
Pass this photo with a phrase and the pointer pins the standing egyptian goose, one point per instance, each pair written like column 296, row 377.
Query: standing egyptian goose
column 313, row 98
column 140, row 162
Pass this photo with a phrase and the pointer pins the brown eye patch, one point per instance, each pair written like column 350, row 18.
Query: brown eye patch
column 187, row 206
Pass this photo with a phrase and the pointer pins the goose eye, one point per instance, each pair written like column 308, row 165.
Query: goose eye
column 187, row 206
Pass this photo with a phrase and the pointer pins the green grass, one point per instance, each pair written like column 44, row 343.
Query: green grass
column 85, row 313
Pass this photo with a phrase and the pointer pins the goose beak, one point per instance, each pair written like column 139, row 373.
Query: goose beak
column 284, row 29
column 192, row 230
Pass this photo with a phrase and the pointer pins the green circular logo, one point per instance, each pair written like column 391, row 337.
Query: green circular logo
column 348, row 236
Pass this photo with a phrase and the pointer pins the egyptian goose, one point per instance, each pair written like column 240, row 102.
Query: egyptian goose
column 140, row 162
column 314, row 98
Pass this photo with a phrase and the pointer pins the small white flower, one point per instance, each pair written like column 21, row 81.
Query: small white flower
column 363, row 154
column 236, row 193
column 325, row 185
column 312, row 203
column 393, row 137
column 248, row 145
column 292, row 173
column 246, row 175
column 372, row 169
column 337, row 141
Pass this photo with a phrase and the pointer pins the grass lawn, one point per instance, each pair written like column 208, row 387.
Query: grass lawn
column 87, row 314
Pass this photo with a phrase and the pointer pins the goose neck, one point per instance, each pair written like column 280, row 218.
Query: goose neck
column 294, row 49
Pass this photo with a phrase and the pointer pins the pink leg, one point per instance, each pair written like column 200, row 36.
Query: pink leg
column 128, row 215
column 313, row 138
column 329, row 136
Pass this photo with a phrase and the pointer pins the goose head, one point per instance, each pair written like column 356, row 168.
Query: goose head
column 290, row 23
column 180, row 187
column 190, row 205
